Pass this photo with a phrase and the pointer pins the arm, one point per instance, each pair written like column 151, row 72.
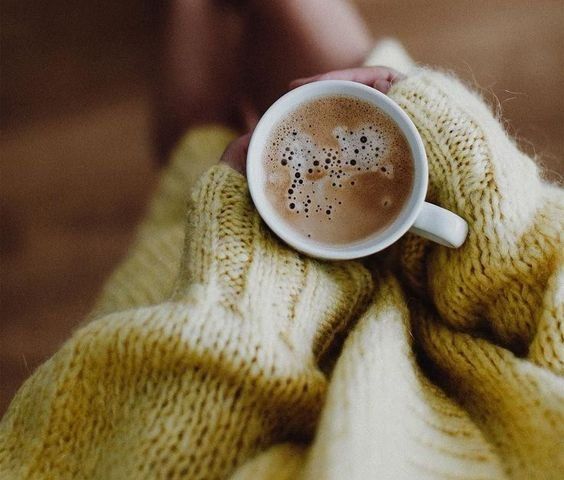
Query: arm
column 200, row 381
column 515, row 219
column 498, row 278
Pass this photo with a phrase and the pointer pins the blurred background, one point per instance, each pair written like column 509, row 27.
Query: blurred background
column 77, row 163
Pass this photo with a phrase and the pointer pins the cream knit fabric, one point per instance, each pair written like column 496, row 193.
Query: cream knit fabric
column 215, row 360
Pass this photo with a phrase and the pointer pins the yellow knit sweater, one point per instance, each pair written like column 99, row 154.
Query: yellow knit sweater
column 224, row 358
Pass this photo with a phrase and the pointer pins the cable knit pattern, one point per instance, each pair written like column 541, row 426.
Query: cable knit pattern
column 496, row 281
column 202, row 360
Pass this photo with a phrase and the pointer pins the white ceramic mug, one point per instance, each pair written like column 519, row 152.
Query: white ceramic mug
column 417, row 216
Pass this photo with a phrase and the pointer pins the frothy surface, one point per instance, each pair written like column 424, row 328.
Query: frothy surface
column 337, row 170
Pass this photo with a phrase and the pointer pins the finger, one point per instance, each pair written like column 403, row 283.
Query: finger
column 235, row 155
column 381, row 78
column 249, row 113
column 365, row 75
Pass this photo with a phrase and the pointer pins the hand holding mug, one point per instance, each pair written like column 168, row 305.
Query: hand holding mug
column 425, row 219
column 380, row 78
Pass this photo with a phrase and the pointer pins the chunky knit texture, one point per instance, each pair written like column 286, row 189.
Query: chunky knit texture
column 221, row 358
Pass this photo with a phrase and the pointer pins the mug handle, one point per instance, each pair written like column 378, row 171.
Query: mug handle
column 440, row 225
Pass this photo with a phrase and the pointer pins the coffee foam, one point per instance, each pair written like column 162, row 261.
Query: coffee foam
column 338, row 170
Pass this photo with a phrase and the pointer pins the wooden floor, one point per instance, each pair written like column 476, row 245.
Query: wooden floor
column 76, row 166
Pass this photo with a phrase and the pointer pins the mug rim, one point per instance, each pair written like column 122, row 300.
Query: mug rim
column 288, row 103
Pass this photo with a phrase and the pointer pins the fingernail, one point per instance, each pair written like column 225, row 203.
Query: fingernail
column 382, row 85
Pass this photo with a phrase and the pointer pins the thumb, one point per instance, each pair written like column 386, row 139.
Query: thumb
column 235, row 155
